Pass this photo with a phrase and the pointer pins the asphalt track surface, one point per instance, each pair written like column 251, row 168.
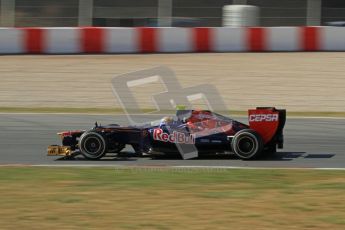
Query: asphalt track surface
column 309, row 143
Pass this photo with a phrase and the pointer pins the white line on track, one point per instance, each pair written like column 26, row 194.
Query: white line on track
column 265, row 168
column 164, row 167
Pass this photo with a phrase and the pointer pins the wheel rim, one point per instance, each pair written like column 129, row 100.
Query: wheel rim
column 246, row 145
column 92, row 146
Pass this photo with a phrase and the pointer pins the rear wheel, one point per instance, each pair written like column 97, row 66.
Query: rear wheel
column 247, row 144
column 92, row 145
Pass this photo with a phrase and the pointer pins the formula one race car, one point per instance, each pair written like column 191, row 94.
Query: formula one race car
column 190, row 131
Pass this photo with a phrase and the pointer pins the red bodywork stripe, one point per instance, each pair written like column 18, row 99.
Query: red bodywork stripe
column 147, row 40
column 256, row 39
column 202, row 39
column 92, row 40
column 310, row 38
column 34, row 40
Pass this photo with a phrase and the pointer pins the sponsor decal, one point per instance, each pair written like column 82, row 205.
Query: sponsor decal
column 70, row 133
column 216, row 141
column 202, row 116
column 263, row 117
column 175, row 137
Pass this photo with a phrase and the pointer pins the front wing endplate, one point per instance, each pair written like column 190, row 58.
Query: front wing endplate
column 57, row 150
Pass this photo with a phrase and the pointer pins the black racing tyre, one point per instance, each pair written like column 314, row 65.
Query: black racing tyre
column 92, row 145
column 247, row 144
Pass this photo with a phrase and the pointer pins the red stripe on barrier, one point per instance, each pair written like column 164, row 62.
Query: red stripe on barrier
column 34, row 40
column 256, row 39
column 147, row 40
column 202, row 39
column 310, row 38
column 92, row 40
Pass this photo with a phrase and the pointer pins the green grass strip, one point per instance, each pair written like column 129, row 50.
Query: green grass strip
column 169, row 198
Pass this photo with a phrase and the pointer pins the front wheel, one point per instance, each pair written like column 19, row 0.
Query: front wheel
column 92, row 145
column 247, row 144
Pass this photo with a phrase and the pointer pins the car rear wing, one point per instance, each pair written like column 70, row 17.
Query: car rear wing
column 269, row 122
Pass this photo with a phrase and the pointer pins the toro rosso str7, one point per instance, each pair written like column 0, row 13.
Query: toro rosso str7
column 205, row 131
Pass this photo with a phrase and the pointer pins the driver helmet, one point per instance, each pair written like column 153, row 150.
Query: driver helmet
column 166, row 120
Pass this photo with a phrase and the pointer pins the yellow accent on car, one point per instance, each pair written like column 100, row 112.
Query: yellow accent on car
column 57, row 150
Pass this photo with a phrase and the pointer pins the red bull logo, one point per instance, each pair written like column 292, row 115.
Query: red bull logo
column 175, row 137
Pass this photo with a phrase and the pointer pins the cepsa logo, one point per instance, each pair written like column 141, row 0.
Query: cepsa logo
column 263, row 117
column 175, row 137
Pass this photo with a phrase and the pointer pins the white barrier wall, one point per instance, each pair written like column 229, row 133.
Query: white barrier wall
column 166, row 39
column 61, row 40
column 120, row 40
column 283, row 39
column 11, row 41
column 229, row 39
column 175, row 40
column 333, row 38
